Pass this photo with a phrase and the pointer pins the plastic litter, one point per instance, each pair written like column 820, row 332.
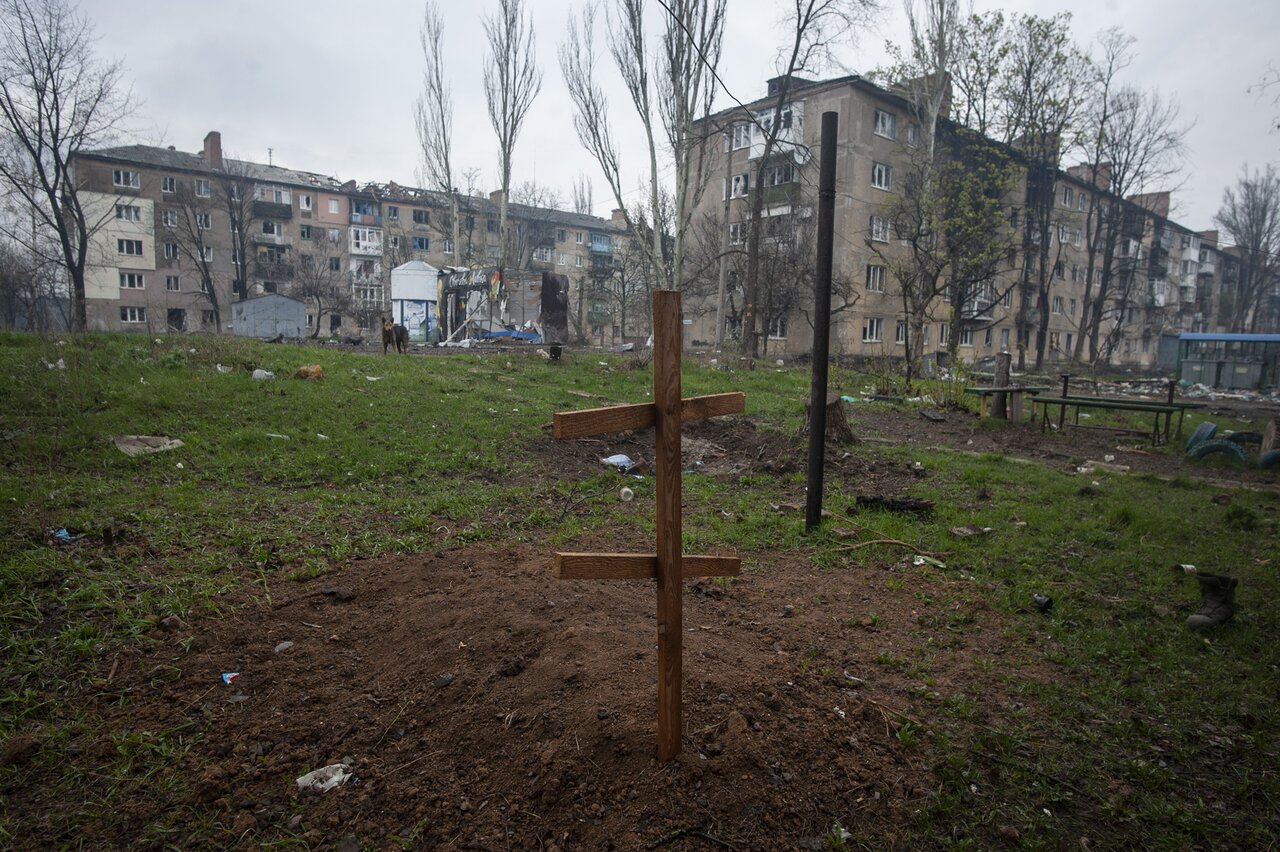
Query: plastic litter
column 920, row 559
column 60, row 364
column 222, row 368
column 262, row 375
column 1043, row 603
column 326, row 778
column 620, row 461
column 228, row 677
column 137, row 445
column 847, row 398
column 969, row 530
column 277, row 435
column 626, row 495
column 63, row 536
column 1185, row 569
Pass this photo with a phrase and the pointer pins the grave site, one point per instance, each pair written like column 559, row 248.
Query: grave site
column 486, row 600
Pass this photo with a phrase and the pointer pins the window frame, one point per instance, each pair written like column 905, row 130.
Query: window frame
column 891, row 124
column 133, row 281
column 133, row 314
column 126, row 178
column 881, row 176
column 875, row 277
column 873, row 330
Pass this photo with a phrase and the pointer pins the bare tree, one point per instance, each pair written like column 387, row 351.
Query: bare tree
column 56, row 98
column 980, row 55
column 953, row 237
column 190, row 236
column 322, row 284
column 433, row 117
column 1250, row 217
column 814, row 28
column 535, row 230
column 1042, row 93
column 1134, row 144
column 582, row 192
column 666, row 102
column 511, row 81
column 28, row 290
column 235, row 190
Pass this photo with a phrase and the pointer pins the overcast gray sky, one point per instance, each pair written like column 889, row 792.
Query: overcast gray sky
column 329, row 86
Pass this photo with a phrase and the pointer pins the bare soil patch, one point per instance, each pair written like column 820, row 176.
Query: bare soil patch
column 483, row 704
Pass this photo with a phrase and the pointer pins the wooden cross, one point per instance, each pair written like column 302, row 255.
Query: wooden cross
column 668, row 566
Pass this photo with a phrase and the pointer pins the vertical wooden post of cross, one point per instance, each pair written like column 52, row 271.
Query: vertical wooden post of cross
column 666, row 401
column 667, row 565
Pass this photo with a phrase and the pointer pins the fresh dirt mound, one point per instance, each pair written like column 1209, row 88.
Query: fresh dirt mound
column 483, row 704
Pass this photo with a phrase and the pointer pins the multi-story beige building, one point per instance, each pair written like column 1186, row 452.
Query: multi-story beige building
column 180, row 236
column 1158, row 282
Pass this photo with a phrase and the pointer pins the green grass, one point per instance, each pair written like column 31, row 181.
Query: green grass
column 1143, row 721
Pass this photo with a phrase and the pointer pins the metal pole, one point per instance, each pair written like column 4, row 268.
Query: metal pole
column 822, row 320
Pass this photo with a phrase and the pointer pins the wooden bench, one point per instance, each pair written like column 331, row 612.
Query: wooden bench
column 1159, row 409
column 1014, row 397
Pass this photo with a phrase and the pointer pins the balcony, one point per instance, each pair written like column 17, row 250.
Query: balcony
column 273, row 271
column 369, row 219
column 272, row 240
column 272, row 210
column 1188, row 294
column 1208, row 267
column 978, row 310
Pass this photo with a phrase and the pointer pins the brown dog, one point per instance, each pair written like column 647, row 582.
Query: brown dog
column 393, row 333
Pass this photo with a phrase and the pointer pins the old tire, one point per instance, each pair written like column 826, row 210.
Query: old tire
column 1220, row 447
column 1202, row 433
column 1269, row 459
column 1244, row 437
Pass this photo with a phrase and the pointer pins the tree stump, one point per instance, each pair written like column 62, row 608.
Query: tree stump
column 837, row 424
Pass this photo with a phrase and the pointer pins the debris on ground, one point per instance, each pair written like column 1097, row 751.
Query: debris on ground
column 229, row 677
column 969, row 530
column 313, row 372
column 1217, row 601
column 62, row 535
column 137, row 445
column 1094, row 466
column 893, row 504
column 262, row 375
column 326, row 778
column 283, row 646
column 620, row 461
column 277, row 435
column 932, row 416
column 921, row 559
column 60, row 364
column 222, row 368
column 626, row 495
column 1043, row 603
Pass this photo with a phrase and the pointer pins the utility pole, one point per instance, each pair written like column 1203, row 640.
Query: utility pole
column 821, row 320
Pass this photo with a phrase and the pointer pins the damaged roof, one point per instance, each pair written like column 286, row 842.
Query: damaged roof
column 169, row 158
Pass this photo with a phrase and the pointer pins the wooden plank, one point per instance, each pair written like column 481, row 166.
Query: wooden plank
column 628, row 418
column 714, row 405
column 598, row 421
column 668, row 410
column 638, row 566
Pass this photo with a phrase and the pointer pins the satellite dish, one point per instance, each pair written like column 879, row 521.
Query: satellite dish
column 802, row 155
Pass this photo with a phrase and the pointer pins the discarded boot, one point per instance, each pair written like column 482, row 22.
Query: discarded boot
column 1217, row 601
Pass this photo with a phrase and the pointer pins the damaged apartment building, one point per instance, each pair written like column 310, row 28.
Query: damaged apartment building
column 1175, row 279
column 182, row 236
